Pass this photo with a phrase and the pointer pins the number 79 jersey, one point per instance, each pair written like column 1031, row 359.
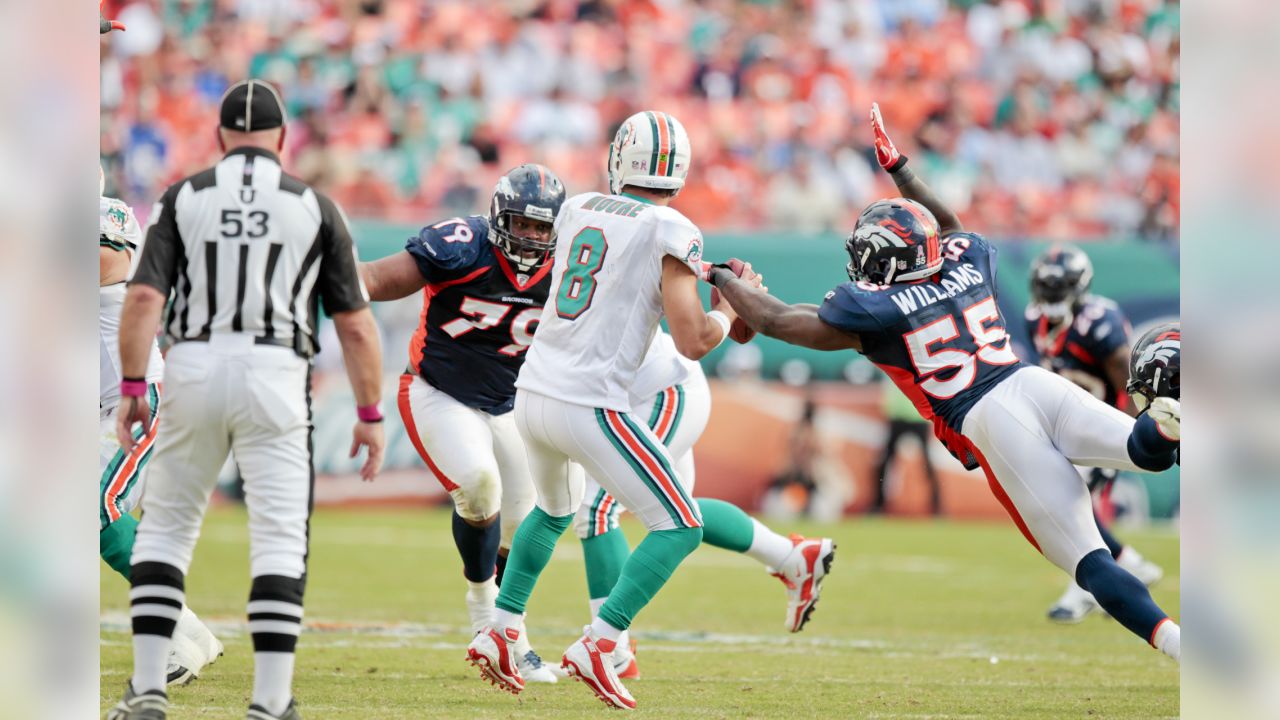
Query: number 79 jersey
column 478, row 314
column 606, row 297
column 941, row 340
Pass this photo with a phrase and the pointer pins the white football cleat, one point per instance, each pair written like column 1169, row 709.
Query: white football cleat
column 491, row 651
column 1167, row 413
column 1074, row 606
column 532, row 669
column 186, row 660
column 803, row 572
column 193, row 648
column 584, row 661
column 624, row 659
column 1143, row 569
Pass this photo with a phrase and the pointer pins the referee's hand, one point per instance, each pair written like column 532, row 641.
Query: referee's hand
column 369, row 436
column 131, row 411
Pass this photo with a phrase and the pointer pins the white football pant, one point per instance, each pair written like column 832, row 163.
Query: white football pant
column 618, row 449
column 479, row 458
column 230, row 395
column 1031, row 431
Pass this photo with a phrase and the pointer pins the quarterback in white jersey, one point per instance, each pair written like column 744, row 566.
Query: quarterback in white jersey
column 120, row 484
column 622, row 262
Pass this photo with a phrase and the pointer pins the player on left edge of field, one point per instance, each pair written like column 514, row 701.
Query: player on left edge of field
column 486, row 279
column 119, row 247
column 119, row 241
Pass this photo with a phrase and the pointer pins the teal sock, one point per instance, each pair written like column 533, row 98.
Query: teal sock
column 605, row 555
column 115, row 543
column 530, row 552
column 646, row 571
column 725, row 525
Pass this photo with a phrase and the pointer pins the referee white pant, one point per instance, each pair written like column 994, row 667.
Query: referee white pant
column 618, row 449
column 230, row 395
column 478, row 458
column 1030, row 432
column 677, row 416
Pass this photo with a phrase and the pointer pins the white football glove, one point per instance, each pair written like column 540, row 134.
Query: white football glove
column 1167, row 413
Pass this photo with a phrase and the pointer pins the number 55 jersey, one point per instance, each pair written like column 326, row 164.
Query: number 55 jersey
column 606, row 297
column 478, row 314
column 942, row 340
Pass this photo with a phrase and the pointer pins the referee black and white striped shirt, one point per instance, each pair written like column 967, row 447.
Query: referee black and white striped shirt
column 248, row 248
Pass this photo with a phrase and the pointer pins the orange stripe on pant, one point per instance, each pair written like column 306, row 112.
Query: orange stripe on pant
column 1003, row 497
column 602, row 515
column 406, row 416
column 665, row 482
column 130, row 465
column 668, row 414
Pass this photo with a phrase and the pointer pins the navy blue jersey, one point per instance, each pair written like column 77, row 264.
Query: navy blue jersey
column 478, row 314
column 942, row 340
column 1079, row 350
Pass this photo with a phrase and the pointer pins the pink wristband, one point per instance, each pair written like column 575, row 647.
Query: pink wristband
column 133, row 388
column 369, row 413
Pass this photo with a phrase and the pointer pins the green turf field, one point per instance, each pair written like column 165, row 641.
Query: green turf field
column 918, row 620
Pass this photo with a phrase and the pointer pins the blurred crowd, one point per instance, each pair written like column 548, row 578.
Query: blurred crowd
column 1034, row 118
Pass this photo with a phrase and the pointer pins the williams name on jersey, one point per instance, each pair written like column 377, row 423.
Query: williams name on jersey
column 478, row 314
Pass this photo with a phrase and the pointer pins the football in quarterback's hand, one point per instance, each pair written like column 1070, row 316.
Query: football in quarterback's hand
column 739, row 330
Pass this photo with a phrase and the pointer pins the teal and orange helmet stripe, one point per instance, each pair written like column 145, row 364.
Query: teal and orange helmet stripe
column 662, row 160
column 650, row 466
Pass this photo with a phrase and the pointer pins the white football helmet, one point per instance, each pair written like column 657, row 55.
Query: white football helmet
column 651, row 150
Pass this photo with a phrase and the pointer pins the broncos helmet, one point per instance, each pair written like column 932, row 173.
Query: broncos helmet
column 531, row 191
column 1060, row 276
column 1155, row 365
column 894, row 241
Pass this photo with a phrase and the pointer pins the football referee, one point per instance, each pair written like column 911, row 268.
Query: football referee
column 249, row 253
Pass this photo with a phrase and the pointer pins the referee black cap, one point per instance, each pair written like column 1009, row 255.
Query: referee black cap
column 251, row 105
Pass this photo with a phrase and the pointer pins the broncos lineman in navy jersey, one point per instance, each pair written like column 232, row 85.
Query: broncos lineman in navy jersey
column 922, row 306
column 1084, row 338
column 486, row 280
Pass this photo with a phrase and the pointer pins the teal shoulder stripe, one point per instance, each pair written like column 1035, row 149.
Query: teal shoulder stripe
column 636, row 465
column 103, row 241
column 653, row 159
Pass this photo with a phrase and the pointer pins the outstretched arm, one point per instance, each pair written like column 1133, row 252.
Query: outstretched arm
column 391, row 278
column 795, row 324
column 911, row 187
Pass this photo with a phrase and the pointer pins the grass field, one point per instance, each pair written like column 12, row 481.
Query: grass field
column 918, row 620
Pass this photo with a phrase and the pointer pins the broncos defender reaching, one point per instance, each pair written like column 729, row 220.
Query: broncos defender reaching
column 485, row 281
column 1084, row 338
column 921, row 304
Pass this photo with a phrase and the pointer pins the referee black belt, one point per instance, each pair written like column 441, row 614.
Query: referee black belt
column 277, row 342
